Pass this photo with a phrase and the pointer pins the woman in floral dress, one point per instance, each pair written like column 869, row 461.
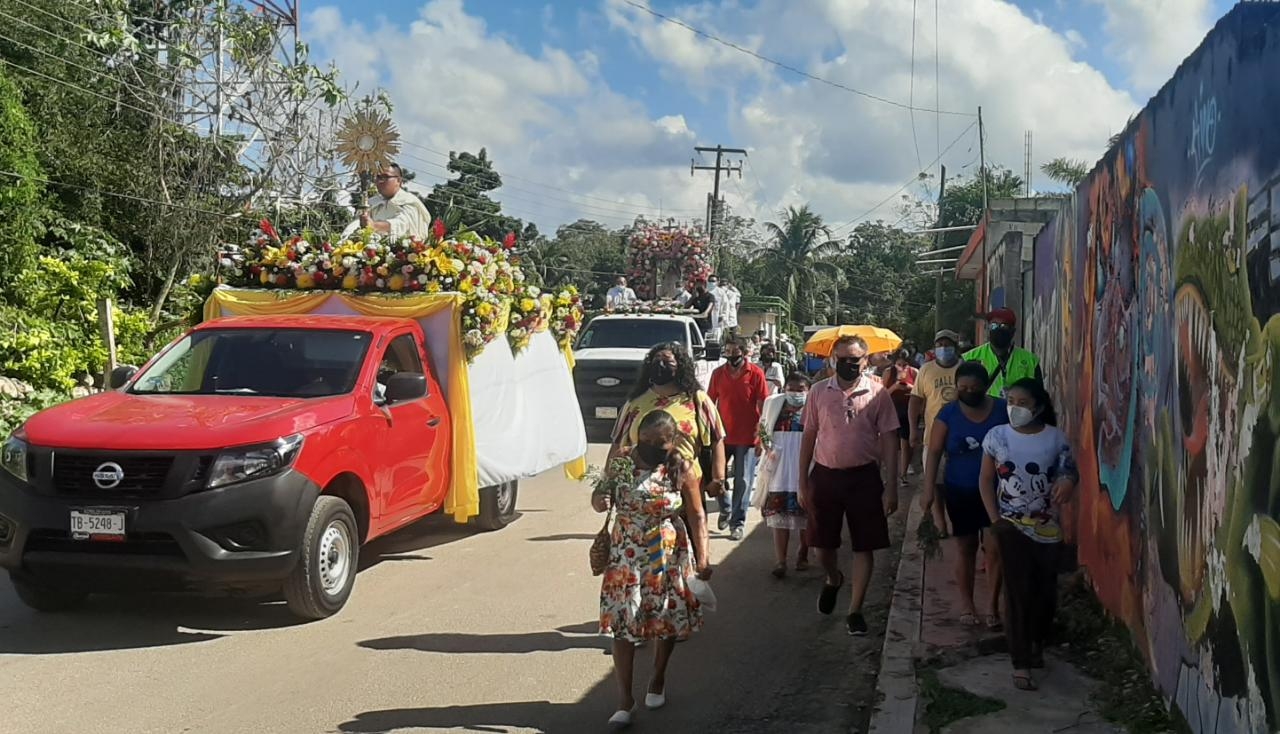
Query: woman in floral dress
column 781, row 428
column 645, row 593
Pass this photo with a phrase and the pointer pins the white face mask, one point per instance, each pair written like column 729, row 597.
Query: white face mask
column 1020, row 417
column 796, row 399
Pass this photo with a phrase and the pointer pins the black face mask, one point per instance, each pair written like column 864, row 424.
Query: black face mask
column 971, row 399
column 651, row 455
column 1002, row 338
column 662, row 374
column 735, row 360
column 848, row 369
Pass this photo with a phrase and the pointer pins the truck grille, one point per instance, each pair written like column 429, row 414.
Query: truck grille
column 142, row 476
column 139, row 544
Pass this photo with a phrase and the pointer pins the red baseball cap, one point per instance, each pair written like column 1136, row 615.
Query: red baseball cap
column 1002, row 316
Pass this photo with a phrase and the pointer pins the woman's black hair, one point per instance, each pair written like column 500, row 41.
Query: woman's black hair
column 686, row 372
column 799, row 378
column 1038, row 393
column 976, row 370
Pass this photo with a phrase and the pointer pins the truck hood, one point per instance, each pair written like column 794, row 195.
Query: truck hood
column 614, row 354
column 122, row 421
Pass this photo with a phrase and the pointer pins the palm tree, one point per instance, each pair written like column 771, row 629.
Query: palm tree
column 794, row 259
column 1068, row 171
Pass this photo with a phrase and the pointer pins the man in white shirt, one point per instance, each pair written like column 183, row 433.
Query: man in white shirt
column 397, row 213
column 619, row 296
column 717, row 311
column 729, row 306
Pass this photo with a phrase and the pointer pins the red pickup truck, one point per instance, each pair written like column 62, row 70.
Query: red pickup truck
column 254, row 452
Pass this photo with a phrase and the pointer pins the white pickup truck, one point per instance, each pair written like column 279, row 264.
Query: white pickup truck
column 610, row 351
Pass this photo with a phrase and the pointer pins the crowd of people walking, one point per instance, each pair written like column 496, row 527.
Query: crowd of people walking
column 826, row 452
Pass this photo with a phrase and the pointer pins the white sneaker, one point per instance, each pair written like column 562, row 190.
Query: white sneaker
column 620, row 719
column 654, row 701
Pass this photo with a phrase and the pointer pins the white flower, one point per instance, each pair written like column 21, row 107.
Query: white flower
column 423, row 279
column 458, row 265
column 381, row 283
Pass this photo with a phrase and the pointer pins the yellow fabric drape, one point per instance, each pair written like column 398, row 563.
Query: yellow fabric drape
column 463, row 499
column 576, row 469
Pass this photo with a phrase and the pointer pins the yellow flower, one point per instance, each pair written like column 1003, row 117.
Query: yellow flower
column 465, row 286
column 528, row 304
column 484, row 310
column 350, row 282
column 264, row 277
column 396, row 282
column 433, row 287
column 305, row 281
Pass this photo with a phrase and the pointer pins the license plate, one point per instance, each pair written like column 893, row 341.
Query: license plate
column 97, row 525
column 610, row 413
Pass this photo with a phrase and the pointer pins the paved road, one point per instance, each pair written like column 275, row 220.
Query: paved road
column 448, row 630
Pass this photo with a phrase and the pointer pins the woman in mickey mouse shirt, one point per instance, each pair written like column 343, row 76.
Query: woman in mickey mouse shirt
column 1031, row 461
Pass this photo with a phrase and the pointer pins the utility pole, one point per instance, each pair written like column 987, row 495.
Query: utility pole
column 937, row 285
column 982, row 171
column 713, row 205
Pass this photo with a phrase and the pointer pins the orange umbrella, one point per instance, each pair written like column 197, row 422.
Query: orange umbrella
column 877, row 339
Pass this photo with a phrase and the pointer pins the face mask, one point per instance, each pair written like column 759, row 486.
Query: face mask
column 1020, row 417
column 1002, row 338
column 662, row 374
column 971, row 399
column 651, row 455
column 848, row 369
column 945, row 355
column 735, row 360
column 796, row 399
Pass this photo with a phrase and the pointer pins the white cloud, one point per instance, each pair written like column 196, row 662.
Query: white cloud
column 549, row 115
column 1151, row 37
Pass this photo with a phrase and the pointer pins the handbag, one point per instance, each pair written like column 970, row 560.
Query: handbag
column 598, row 555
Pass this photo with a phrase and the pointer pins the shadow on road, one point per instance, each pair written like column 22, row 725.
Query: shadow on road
column 123, row 622
column 765, row 662
column 563, row 536
column 513, row 643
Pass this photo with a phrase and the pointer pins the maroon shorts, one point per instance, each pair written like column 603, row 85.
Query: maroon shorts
column 853, row 496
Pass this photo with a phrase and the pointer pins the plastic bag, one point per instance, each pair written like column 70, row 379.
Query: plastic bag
column 765, row 469
column 702, row 590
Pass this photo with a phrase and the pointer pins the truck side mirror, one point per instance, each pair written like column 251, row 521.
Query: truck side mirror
column 699, row 351
column 121, row 375
column 712, row 353
column 403, row 386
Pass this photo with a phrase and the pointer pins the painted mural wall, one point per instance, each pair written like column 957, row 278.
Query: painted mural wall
column 1157, row 318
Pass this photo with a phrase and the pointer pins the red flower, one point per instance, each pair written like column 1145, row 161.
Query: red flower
column 438, row 229
column 268, row 230
column 282, row 280
column 292, row 254
column 509, row 242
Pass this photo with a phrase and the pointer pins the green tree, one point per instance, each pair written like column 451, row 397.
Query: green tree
column 463, row 202
column 20, row 192
column 796, row 264
column 1070, row 171
column 585, row 253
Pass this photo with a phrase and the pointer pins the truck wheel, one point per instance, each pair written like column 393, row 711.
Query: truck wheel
column 321, row 582
column 44, row 599
column 498, row 505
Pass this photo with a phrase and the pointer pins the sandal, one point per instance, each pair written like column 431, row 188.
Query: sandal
column 780, row 571
column 968, row 619
column 802, row 564
column 1024, row 682
column 993, row 623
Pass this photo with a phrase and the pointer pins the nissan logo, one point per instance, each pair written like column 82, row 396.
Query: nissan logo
column 108, row 476
column 608, row 382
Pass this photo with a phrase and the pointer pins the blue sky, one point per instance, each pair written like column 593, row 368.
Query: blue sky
column 596, row 105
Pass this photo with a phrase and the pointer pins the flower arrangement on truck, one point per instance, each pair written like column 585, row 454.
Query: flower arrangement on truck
column 355, row 388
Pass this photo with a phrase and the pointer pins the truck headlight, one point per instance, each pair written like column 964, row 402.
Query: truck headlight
column 254, row 462
column 13, row 457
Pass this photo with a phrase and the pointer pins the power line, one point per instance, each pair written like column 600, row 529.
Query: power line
column 915, row 140
column 906, row 185
column 142, row 92
column 787, row 67
column 79, row 88
column 412, row 144
column 120, row 195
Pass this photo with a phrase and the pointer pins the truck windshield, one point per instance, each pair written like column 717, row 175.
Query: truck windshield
column 637, row 333
column 295, row 363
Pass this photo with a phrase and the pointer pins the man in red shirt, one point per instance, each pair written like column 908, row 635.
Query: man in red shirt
column 738, row 388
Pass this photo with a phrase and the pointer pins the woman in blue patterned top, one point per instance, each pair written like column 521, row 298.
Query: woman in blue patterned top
column 959, row 431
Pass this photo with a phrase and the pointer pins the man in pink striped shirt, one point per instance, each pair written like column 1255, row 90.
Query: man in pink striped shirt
column 851, row 443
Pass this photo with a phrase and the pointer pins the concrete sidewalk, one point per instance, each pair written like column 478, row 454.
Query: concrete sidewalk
column 925, row 633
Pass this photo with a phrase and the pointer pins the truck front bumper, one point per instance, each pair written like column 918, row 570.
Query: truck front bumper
column 243, row 535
